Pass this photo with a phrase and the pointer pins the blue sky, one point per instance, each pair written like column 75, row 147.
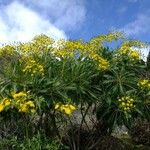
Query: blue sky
column 130, row 16
column 21, row 20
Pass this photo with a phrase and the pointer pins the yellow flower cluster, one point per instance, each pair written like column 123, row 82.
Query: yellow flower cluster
column 4, row 103
column 28, row 106
column 33, row 68
column 98, row 40
column 64, row 53
column 126, row 103
column 19, row 101
column 38, row 45
column 22, row 102
column 68, row 48
column 65, row 108
column 26, row 48
column 134, row 43
column 7, row 50
column 43, row 40
column 103, row 64
column 19, row 95
column 128, row 51
column 135, row 55
column 144, row 84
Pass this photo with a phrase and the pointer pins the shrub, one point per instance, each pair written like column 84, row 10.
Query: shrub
column 47, row 82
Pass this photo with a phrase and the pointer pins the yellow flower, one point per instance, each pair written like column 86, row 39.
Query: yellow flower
column 123, row 104
column 126, row 103
column 27, row 106
column 125, row 108
column 127, row 50
column 103, row 64
column 144, row 83
column 30, row 103
column 33, row 67
column 57, row 105
column 119, row 100
column 19, row 95
column 67, row 108
column 135, row 54
column 1, row 107
column 6, row 102
column 61, row 108
column 68, row 111
column 23, row 108
column 131, row 105
column 72, row 107
column 132, row 100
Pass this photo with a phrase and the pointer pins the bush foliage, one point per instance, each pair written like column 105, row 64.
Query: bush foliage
column 45, row 83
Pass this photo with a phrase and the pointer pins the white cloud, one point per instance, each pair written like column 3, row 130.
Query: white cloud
column 20, row 23
column 22, row 20
column 145, row 52
column 139, row 26
column 65, row 14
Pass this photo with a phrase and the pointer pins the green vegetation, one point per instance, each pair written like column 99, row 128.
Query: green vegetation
column 71, row 94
